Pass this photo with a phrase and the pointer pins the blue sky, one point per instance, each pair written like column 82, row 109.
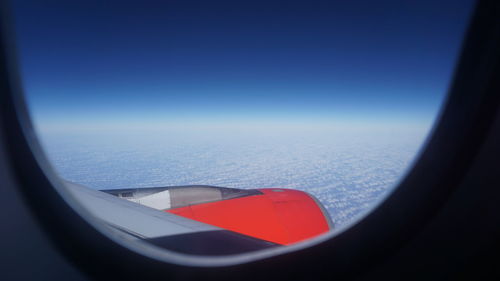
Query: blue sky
column 92, row 63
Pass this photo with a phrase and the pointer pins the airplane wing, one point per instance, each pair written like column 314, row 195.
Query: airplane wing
column 207, row 220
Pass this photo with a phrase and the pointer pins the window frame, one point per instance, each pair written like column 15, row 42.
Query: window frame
column 465, row 123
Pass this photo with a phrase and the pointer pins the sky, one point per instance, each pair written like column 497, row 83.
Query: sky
column 117, row 63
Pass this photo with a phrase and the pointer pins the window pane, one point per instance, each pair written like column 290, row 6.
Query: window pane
column 333, row 98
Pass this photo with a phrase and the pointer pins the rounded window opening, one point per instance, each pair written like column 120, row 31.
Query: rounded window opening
column 229, row 127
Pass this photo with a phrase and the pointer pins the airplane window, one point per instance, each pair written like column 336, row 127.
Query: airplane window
column 266, row 123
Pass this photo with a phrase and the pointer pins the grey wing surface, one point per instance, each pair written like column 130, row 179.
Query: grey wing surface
column 163, row 229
